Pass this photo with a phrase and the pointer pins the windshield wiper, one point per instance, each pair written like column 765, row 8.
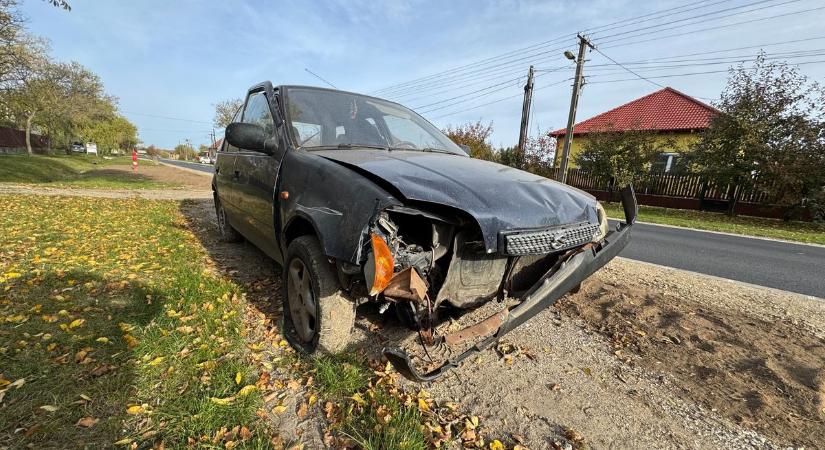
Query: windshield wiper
column 436, row 150
column 345, row 146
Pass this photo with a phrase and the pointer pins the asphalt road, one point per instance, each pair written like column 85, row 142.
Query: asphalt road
column 781, row 265
column 191, row 165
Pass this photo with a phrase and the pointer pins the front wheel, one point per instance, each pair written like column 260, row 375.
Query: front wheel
column 317, row 316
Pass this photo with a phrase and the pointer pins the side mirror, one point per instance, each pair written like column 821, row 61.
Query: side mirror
column 247, row 136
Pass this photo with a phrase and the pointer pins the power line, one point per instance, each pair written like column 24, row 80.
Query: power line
column 703, row 15
column 165, row 117
column 416, row 83
column 668, row 11
column 713, row 28
column 694, row 73
column 555, row 40
column 497, row 100
column 627, row 69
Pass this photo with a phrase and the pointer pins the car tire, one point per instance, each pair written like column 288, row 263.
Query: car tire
column 317, row 316
column 226, row 232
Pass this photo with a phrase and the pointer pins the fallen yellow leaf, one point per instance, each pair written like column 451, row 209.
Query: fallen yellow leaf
column 422, row 405
column 246, row 390
column 496, row 445
column 135, row 409
column 238, row 378
column 358, row 399
column 222, row 401
column 156, row 361
column 49, row 408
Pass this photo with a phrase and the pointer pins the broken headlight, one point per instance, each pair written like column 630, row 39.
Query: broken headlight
column 602, row 223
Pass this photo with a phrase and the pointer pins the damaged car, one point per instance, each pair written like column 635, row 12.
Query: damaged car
column 361, row 200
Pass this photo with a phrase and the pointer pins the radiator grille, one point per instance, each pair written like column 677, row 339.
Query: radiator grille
column 549, row 241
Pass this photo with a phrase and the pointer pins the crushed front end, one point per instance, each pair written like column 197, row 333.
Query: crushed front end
column 421, row 263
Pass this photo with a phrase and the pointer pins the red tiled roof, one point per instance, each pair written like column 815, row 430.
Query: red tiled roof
column 663, row 110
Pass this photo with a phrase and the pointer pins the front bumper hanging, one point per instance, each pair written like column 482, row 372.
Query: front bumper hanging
column 551, row 287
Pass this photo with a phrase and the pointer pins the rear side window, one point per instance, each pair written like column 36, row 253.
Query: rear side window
column 257, row 112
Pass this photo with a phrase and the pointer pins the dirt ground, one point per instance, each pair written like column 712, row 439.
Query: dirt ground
column 642, row 357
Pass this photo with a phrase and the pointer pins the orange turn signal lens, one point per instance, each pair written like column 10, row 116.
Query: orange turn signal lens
column 382, row 258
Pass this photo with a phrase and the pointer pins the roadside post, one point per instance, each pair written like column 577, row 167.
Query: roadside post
column 134, row 160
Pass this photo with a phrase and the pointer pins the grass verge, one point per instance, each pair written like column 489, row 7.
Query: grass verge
column 73, row 171
column 112, row 333
column 753, row 226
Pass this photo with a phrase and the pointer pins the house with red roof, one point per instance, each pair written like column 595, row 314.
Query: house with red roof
column 668, row 113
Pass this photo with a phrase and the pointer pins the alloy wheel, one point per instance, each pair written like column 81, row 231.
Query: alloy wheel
column 302, row 306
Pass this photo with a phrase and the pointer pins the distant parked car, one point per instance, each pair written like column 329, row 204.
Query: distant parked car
column 78, row 147
column 205, row 159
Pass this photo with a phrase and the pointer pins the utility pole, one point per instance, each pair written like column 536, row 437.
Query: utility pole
column 525, row 117
column 574, row 102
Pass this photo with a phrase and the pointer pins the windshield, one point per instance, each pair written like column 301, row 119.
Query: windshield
column 324, row 119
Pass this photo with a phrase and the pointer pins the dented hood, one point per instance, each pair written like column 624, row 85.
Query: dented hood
column 499, row 197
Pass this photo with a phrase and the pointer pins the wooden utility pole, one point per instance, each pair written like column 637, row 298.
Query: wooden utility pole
column 574, row 102
column 525, row 117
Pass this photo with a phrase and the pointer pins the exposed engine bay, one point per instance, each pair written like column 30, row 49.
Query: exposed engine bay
column 423, row 264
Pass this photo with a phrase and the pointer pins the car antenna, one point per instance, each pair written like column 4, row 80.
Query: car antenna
column 320, row 78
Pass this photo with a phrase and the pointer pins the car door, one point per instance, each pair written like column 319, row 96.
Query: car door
column 258, row 175
column 225, row 176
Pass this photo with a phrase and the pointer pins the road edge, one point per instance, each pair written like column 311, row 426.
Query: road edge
column 185, row 169
column 747, row 236
column 718, row 278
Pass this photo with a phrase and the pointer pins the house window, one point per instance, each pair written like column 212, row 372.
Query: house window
column 665, row 162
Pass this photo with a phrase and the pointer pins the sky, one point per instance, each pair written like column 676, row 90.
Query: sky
column 169, row 62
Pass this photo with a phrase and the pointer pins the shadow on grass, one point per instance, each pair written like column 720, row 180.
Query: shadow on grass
column 71, row 352
column 260, row 275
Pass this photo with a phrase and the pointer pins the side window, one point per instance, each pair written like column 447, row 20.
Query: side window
column 257, row 111
column 226, row 146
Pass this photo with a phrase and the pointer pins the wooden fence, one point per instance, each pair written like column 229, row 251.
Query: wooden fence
column 684, row 191
column 667, row 184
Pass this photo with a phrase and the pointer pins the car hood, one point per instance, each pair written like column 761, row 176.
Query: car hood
column 499, row 197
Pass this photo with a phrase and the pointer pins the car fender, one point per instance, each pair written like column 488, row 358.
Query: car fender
column 337, row 201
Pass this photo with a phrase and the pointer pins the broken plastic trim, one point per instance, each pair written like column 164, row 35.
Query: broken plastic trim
column 551, row 287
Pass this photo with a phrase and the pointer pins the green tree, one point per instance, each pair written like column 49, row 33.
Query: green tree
column 770, row 135
column 622, row 155
column 184, row 152
column 474, row 136
column 113, row 133
column 225, row 111
column 57, row 97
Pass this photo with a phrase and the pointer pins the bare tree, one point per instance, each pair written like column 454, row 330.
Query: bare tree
column 225, row 111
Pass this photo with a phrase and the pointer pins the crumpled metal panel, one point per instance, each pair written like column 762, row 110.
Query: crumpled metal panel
column 498, row 197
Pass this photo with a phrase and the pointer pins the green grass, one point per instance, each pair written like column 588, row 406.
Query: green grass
column 73, row 171
column 107, row 315
column 372, row 413
column 752, row 226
